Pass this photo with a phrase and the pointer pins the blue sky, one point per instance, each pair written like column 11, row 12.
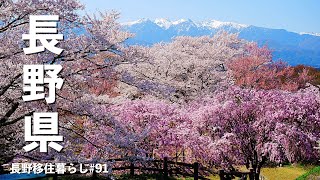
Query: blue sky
column 292, row 15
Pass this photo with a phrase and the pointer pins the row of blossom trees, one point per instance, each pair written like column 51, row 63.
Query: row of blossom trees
column 238, row 106
column 218, row 100
column 233, row 127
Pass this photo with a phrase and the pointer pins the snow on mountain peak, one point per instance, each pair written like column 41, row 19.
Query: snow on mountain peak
column 139, row 21
column 181, row 21
column 312, row 33
column 166, row 24
column 214, row 24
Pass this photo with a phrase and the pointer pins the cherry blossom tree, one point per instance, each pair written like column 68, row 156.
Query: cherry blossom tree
column 92, row 47
column 313, row 72
column 255, row 68
column 251, row 127
column 156, row 122
column 183, row 69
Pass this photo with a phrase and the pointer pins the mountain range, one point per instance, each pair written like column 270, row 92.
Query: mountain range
column 291, row 47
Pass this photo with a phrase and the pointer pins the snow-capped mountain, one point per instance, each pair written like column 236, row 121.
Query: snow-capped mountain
column 295, row 48
column 310, row 33
column 166, row 24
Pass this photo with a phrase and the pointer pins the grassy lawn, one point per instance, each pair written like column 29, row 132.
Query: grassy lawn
column 286, row 172
column 290, row 172
column 311, row 174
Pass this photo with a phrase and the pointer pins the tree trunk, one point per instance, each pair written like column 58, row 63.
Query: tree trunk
column 256, row 176
column 256, row 165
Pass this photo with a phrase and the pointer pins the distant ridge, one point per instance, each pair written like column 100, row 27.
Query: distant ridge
column 294, row 48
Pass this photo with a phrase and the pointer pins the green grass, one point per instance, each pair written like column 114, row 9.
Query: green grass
column 285, row 173
column 288, row 172
column 312, row 174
